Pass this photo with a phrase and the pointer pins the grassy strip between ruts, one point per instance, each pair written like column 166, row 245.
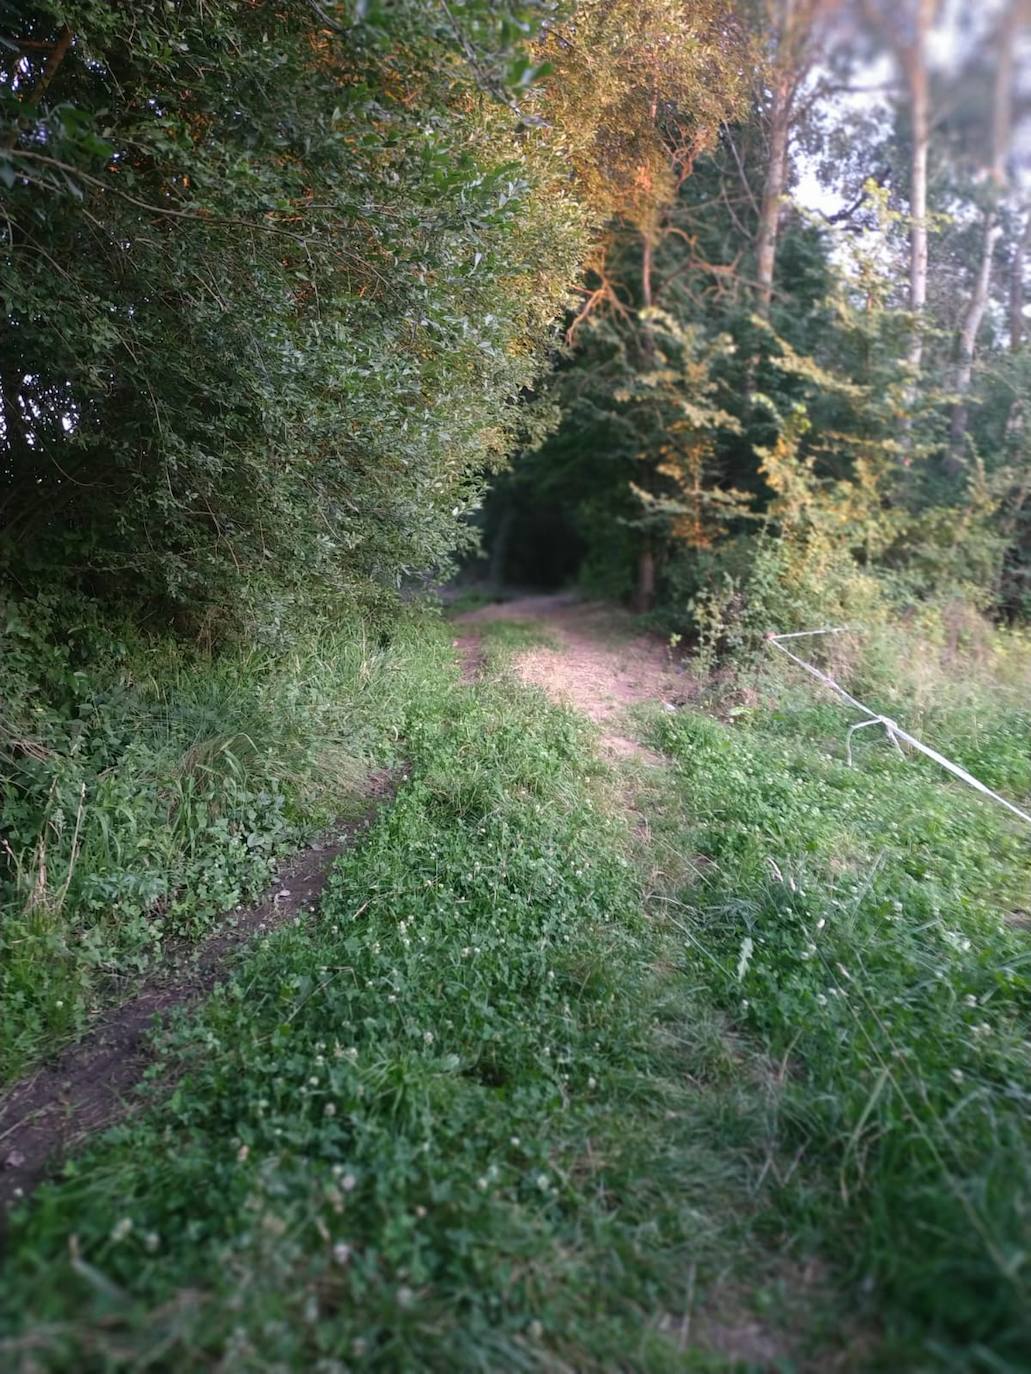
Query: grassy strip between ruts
column 866, row 925
column 472, row 1117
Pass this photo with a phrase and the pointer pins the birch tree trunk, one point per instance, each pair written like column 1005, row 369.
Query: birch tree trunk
column 1015, row 417
column 1017, row 286
column 972, row 317
column 773, row 189
column 644, row 594
column 974, row 314
column 915, row 64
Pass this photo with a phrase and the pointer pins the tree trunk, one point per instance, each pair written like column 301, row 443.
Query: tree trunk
column 39, row 88
column 915, row 63
column 1001, row 123
column 1015, row 417
column 773, row 190
column 972, row 318
column 1017, row 286
column 644, row 595
column 499, row 547
column 644, row 599
column 22, row 472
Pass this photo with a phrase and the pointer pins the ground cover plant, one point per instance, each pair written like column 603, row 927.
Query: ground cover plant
column 654, row 1062
column 148, row 787
column 868, row 926
column 470, row 1117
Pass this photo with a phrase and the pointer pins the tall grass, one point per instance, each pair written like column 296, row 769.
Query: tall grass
column 866, row 925
column 147, row 788
column 472, row 1118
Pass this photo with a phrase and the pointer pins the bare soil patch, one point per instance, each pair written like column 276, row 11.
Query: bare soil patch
column 602, row 663
column 89, row 1085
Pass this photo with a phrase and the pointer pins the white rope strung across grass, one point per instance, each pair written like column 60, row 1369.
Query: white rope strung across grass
column 892, row 728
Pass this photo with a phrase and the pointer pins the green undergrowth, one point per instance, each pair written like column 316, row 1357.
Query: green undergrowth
column 149, row 787
column 868, row 927
column 471, row 1117
column 501, row 638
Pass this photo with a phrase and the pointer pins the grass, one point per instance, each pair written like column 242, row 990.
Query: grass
column 148, row 789
column 856, row 923
column 473, row 1117
column 744, row 1090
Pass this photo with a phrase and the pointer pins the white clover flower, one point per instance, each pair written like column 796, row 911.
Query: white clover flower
column 348, row 1183
column 242, row 1153
column 121, row 1229
column 329, row 1109
column 405, row 1297
column 341, row 1253
column 428, row 1037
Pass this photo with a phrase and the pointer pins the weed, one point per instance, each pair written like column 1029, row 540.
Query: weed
column 471, row 1118
column 852, row 920
column 149, row 788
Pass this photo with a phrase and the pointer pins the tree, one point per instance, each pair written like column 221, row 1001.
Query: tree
column 795, row 39
column 907, row 27
column 995, row 176
column 274, row 277
column 642, row 89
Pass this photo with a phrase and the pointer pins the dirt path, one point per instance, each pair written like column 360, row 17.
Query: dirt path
column 601, row 663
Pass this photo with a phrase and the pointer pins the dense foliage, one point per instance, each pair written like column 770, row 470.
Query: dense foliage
column 713, row 376
column 271, row 289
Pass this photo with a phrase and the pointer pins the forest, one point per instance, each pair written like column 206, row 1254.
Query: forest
column 468, row 468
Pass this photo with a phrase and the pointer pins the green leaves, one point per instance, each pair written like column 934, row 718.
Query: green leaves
column 270, row 294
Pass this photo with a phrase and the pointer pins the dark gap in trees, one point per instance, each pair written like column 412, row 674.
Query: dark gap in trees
column 529, row 539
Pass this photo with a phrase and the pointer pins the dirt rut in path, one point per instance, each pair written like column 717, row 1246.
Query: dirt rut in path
column 89, row 1085
column 601, row 664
